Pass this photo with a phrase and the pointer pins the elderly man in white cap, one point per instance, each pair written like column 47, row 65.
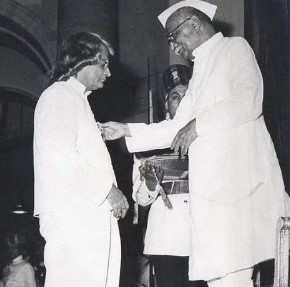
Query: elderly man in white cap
column 235, row 183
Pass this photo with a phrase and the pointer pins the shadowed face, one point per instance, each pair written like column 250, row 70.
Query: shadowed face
column 174, row 98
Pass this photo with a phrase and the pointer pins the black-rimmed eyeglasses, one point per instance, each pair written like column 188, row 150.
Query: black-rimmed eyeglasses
column 171, row 36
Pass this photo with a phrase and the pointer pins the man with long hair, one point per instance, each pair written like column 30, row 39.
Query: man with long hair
column 76, row 195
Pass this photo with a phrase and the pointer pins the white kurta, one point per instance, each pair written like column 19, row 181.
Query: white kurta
column 167, row 230
column 73, row 176
column 235, row 183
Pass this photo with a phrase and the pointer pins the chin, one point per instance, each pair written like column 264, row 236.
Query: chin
column 96, row 87
column 99, row 85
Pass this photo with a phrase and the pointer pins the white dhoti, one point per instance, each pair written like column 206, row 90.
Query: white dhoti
column 73, row 177
column 81, row 249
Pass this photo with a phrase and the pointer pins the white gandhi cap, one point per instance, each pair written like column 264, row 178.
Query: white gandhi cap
column 205, row 7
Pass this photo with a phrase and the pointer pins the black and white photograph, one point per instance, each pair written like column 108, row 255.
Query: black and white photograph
column 144, row 143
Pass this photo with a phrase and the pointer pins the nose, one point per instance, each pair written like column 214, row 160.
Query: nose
column 108, row 72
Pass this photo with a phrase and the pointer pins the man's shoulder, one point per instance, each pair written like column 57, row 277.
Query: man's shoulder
column 58, row 91
column 27, row 267
column 236, row 46
column 236, row 41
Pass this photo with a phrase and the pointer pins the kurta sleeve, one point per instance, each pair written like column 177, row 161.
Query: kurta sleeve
column 246, row 92
column 61, row 170
column 159, row 135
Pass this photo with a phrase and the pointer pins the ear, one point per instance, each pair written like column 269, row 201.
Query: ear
column 166, row 105
column 195, row 22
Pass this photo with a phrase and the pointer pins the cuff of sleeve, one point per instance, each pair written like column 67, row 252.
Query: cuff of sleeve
column 131, row 141
column 144, row 196
column 106, row 205
column 198, row 126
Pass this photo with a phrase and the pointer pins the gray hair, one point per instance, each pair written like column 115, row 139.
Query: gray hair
column 76, row 52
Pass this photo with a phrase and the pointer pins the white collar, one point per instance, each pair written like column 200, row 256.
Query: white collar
column 78, row 86
column 207, row 45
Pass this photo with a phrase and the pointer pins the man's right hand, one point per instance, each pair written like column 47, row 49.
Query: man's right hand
column 184, row 138
column 118, row 202
column 114, row 130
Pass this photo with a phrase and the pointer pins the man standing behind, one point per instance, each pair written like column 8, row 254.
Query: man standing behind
column 76, row 196
column 235, row 183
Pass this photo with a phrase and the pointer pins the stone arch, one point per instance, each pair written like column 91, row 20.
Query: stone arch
column 21, row 24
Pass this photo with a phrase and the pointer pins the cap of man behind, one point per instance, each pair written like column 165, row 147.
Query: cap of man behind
column 176, row 75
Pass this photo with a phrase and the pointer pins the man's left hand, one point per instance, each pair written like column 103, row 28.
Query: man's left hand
column 184, row 138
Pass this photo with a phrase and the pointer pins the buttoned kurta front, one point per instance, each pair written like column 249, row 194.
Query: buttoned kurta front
column 73, row 177
column 235, row 183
